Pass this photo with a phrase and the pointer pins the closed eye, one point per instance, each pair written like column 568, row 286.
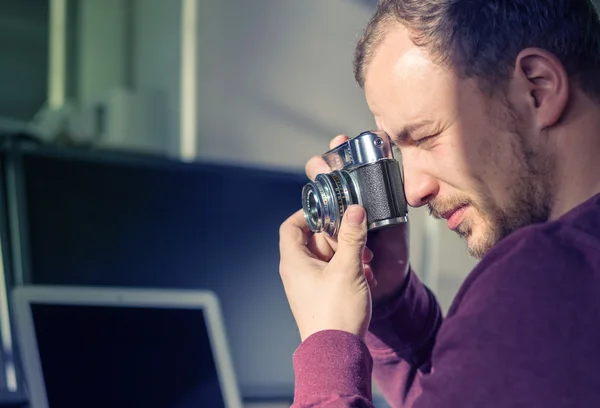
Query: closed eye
column 425, row 140
column 411, row 142
column 422, row 141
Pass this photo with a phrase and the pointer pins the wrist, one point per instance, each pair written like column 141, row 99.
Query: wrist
column 384, row 299
column 383, row 302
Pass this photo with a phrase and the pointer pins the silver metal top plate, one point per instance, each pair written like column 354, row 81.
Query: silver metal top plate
column 368, row 147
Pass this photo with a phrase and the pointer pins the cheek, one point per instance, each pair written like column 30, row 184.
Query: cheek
column 454, row 164
column 478, row 153
column 466, row 170
column 483, row 157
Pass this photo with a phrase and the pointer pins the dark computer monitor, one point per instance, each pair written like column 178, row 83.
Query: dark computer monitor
column 108, row 356
column 94, row 218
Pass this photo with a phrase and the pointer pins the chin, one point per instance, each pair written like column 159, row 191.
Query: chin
column 480, row 240
column 476, row 250
column 476, row 238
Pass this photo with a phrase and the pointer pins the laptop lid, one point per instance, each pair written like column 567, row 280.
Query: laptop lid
column 101, row 347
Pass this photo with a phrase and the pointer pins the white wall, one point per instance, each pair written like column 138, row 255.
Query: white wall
column 454, row 264
column 275, row 79
column 156, row 58
column 101, row 59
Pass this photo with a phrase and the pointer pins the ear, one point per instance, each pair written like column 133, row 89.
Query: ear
column 546, row 83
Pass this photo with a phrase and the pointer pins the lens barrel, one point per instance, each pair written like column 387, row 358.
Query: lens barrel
column 325, row 201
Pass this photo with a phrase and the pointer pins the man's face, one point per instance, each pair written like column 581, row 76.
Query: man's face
column 471, row 158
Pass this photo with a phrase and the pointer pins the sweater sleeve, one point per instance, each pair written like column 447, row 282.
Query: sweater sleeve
column 333, row 370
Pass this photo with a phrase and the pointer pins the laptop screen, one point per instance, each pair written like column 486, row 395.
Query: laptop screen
column 107, row 356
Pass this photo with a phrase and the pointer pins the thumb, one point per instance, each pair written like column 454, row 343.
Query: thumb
column 352, row 236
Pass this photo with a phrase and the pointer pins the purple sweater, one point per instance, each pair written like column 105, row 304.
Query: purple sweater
column 523, row 331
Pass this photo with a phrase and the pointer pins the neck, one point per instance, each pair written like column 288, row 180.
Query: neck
column 578, row 158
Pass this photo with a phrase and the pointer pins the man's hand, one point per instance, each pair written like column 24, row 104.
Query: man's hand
column 326, row 291
column 330, row 282
column 387, row 247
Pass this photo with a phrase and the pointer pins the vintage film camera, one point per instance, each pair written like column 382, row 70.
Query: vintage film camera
column 364, row 172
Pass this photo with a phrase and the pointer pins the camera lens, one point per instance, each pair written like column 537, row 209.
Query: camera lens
column 312, row 204
column 325, row 200
column 314, row 208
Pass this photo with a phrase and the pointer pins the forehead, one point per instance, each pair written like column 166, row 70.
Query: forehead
column 402, row 81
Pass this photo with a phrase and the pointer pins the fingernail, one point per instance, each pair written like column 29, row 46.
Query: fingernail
column 355, row 215
column 368, row 254
column 324, row 170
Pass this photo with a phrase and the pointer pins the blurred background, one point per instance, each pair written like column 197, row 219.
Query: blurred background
column 160, row 143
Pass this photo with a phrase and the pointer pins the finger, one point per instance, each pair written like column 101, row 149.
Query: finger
column 368, row 272
column 352, row 238
column 338, row 140
column 321, row 247
column 294, row 233
column 367, row 255
column 369, row 275
column 315, row 166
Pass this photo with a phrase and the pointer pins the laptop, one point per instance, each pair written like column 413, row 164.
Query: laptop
column 122, row 347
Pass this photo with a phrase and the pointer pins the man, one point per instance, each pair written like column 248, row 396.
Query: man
column 495, row 106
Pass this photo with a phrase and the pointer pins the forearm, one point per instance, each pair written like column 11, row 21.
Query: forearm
column 401, row 339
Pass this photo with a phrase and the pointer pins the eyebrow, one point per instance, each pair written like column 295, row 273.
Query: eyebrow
column 407, row 130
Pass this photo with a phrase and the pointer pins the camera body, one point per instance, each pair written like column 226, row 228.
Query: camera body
column 364, row 172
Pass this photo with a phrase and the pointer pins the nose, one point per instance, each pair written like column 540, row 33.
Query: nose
column 419, row 186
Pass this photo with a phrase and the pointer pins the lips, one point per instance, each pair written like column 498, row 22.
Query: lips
column 455, row 217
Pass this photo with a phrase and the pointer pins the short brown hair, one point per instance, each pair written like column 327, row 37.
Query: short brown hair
column 482, row 38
